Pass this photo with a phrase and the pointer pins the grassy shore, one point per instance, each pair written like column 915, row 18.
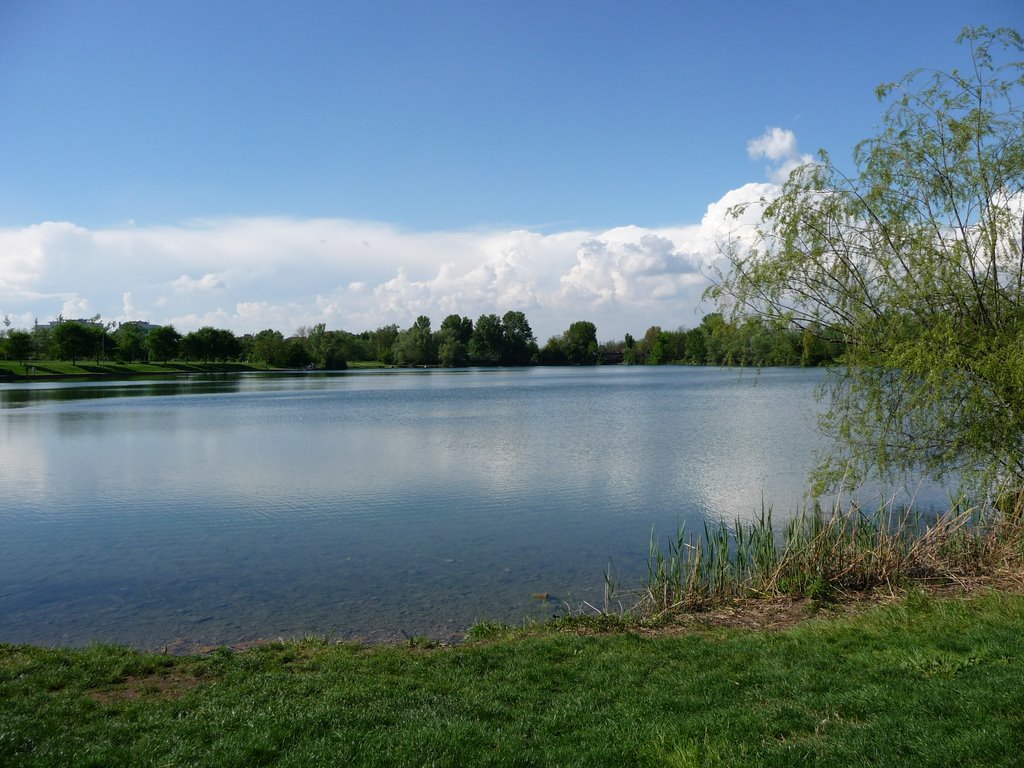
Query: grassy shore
column 49, row 369
column 43, row 369
column 921, row 682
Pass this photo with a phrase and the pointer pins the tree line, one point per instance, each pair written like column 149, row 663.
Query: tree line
column 507, row 340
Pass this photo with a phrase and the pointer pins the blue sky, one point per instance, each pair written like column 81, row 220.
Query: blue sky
column 256, row 164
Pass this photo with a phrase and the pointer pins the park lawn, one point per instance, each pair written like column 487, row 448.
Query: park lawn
column 44, row 368
column 923, row 682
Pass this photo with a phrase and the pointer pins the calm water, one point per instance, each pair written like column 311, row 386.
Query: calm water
column 368, row 504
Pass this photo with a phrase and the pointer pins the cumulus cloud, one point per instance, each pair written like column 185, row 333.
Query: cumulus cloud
column 779, row 146
column 207, row 282
column 248, row 274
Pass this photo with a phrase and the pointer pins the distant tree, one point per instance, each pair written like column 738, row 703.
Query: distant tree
column 41, row 340
column 457, row 328
column 657, row 354
column 102, row 341
column 191, row 347
column 268, row 347
column 580, row 343
column 383, row 340
column 131, row 342
column 163, row 343
column 296, row 355
column 452, row 341
column 519, row 343
column 19, row 345
column 326, row 348
column 415, row 345
column 487, row 344
column 71, row 340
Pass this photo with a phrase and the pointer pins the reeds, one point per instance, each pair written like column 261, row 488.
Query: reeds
column 829, row 553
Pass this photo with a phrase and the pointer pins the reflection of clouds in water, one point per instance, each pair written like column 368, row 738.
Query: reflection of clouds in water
column 759, row 445
column 24, row 461
column 481, row 487
column 707, row 439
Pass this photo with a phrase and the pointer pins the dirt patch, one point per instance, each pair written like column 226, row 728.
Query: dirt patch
column 167, row 686
column 774, row 614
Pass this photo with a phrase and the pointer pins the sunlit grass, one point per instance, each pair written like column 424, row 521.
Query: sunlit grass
column 922, row 682
column 42, row 368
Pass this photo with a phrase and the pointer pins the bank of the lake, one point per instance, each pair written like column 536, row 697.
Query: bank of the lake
column 922, row 682
column 61, row 370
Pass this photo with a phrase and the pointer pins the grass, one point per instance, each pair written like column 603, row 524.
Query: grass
column 110, row 368
column 45, row 368
column 923, row 682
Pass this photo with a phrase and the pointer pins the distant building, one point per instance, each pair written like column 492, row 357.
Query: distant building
column 94, row 321
column 142, row 325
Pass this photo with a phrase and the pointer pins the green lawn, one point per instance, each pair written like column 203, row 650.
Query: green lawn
column 110, row 368
column 922, row 683
column 107, row 367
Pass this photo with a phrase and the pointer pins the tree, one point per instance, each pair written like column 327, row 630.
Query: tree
column 131, row 342
column 326, row 349
column 579, row 343
column 382, row 340
column 520, row 345
column 191, row 347
column 268, row 347
column 415, row 346
column 914, row 264
column 224, row 345
column 71, row 340
column 452, row 340
column 163, row 343
column 457, row 328
column 296, row 355
column 487, row 344
column 19, row 345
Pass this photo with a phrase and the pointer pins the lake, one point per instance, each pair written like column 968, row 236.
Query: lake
column 370, row 505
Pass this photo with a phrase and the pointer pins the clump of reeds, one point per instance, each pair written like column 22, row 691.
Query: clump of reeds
column 828, row 553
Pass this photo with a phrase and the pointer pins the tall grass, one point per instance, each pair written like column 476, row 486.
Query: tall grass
column 830, row 552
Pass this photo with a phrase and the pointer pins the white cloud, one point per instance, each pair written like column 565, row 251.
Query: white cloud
column 76, row 307
column 207, row 282
column 779, row 146
column 248, row 274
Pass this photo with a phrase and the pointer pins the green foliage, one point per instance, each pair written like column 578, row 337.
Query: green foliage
column 452, row 341
column 914, row 265
column 579, row 344
column 163, row 343
column 71, row 340
column 131, row 342
column 18, row 345
column 487, row 344
column 415, row 346
column 268, row 347
column 520, row 345
column 208, row 344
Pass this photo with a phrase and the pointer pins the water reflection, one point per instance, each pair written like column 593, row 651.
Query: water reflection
column 367, row 504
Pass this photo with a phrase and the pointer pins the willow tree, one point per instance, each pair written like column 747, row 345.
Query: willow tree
column 914, row 263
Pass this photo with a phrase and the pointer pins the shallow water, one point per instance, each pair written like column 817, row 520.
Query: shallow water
column 369, row 504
